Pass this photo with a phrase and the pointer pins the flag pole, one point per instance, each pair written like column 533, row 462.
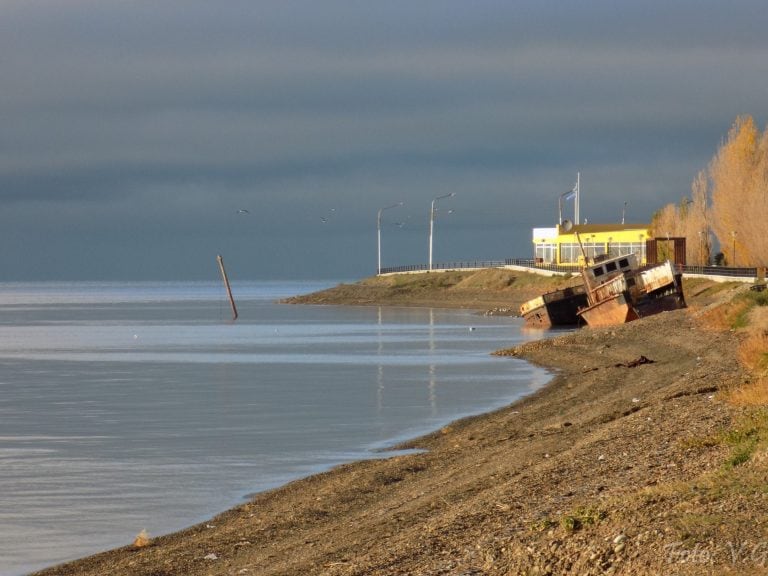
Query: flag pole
column 578, row 197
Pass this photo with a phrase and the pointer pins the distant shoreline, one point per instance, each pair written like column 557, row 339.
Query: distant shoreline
column 502, row 291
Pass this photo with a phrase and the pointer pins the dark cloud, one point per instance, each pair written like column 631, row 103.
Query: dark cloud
column 134, row 131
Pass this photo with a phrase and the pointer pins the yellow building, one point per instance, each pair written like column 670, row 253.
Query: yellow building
column 560, row 246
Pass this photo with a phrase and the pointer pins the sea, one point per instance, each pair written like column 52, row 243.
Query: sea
column 143, row 406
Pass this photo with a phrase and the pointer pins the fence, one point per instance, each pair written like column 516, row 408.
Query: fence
column 465, row 265
column 719, row 271
column 723, row 271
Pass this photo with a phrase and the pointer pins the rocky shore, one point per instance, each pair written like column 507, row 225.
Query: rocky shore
column 624, row 464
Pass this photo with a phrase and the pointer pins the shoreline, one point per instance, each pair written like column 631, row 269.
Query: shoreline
column 400, row 446
column 494, row 492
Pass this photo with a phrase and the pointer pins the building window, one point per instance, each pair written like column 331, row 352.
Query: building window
column 593, row 249
column 624, row 248
column 570, row 253
column 545, row 253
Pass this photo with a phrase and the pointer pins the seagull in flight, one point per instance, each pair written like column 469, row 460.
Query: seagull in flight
column 243, row 211
column 326, row 218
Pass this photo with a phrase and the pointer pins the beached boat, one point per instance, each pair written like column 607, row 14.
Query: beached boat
column 556, row 308
column 619, row 291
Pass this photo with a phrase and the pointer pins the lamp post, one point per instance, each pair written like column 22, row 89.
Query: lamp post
column 432, row 222
column 623, row 212
column 378, row 233
column 733, row 234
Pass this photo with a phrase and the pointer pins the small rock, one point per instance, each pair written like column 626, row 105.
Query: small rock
column 601, row 457
column 620, row 548
column 210, row 556
column 619, row 539
column 635, row 400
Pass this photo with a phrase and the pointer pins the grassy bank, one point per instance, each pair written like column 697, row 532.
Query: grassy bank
column 500, row 290
column 481, row 289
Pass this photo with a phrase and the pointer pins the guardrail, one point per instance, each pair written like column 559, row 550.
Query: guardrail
column 464, row 265
column 720, row 271
column 530, row 263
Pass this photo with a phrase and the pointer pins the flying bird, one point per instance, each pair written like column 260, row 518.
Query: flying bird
column 327, row 217
column 243, row 211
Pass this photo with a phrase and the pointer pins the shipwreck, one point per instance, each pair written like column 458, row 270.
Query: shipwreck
column 619, row 291
column 556, row 308
column 614, row 291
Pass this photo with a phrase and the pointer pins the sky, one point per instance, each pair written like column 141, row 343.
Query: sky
column 135, row 133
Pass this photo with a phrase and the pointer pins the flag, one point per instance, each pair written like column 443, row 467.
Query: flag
column 569, row 195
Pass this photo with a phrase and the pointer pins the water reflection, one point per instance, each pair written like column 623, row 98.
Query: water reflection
column 90, row 412
column 432, row 374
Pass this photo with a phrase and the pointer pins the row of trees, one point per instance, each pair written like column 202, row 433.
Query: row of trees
column 729, row 199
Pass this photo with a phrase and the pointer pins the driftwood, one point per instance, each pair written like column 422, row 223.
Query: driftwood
column 634, row 363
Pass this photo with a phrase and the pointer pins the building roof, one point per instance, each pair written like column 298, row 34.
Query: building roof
column 597, row 228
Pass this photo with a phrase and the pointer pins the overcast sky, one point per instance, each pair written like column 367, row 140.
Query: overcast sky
column 133, row 131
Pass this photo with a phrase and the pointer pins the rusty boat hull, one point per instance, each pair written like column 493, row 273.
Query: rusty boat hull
column 616, row 309
column 633, row 293
column 556, row 308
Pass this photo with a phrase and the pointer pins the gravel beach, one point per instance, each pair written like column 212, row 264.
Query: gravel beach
column 614, row 467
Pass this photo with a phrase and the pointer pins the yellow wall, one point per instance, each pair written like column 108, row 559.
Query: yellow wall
column 556, row 246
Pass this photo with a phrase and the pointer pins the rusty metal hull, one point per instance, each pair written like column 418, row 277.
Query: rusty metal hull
column 664, row 299
column 629, row 305
column 558, row 308
column 616, row 309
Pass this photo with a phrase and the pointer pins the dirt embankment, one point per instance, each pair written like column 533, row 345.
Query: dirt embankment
column 490, row 289
column 619, row 465
column 497, row 290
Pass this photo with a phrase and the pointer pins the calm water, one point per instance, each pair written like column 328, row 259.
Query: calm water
column 132, row 406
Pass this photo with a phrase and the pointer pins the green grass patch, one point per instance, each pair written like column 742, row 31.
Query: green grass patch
column 745, row 437
column 695, row 527
column 744, row 303
column 581, row 517
column 541, row 525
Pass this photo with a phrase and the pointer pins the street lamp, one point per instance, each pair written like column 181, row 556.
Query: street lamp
column 733, row 234
column 378, row 231
column 432, row 222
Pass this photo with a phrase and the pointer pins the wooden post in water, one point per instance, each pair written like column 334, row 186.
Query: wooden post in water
column 226, row 284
